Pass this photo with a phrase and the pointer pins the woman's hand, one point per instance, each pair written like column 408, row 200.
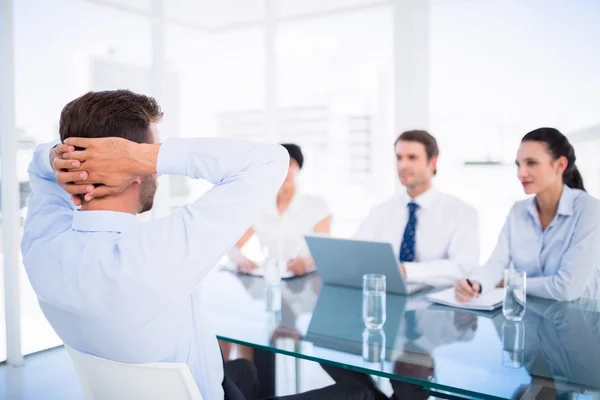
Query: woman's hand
column 300, row 265
column 245, row 265
column 465, row 291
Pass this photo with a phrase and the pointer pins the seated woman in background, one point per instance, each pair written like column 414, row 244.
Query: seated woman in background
column 281, row 230
column 554, row 236
column 282, row 226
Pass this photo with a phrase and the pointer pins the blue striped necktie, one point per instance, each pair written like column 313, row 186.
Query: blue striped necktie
column 407, row 248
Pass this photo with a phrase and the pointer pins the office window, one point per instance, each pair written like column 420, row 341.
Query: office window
column 328, row 63
column 216, row 16
column 218, row 74
column 498, row 70
column 93, row 47
column 294, row 8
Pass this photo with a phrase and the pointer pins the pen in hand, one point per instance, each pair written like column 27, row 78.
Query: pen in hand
column 472, row 287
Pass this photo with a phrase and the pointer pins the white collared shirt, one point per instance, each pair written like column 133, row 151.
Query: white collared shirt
column 447, row 235
column 117, row 288
column 284, row 233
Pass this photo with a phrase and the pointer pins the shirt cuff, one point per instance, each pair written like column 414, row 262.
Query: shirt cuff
column 171, row 158
column 45, row 154
column 413, row 272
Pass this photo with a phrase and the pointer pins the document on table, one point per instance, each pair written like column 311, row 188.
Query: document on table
column 260, row 271
column 485, row 302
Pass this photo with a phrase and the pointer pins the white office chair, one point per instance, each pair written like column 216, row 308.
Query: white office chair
column 103, row 379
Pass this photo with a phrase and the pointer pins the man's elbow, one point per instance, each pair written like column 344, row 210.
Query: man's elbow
column 279, row 161
column 280, row 156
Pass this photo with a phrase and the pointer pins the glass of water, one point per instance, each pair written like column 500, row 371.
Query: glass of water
column 515, row 285
column 513, row 343
column 373, row 307
column 272, row 265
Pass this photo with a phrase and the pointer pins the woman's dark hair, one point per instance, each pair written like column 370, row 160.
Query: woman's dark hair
column 295, row 153
column 558, row 146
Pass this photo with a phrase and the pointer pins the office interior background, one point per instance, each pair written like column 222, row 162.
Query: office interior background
column 339, row 77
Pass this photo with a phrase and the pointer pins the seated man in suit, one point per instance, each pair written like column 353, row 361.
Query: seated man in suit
column 435, row 235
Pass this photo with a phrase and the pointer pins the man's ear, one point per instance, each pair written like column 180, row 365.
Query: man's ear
column 433, row 162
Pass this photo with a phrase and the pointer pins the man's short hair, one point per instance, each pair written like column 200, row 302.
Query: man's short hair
column 423, row 137
column 110, row 113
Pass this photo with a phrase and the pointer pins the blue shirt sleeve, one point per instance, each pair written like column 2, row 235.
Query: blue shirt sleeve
column 173, row 254
column 49, row 207
column 578, row 264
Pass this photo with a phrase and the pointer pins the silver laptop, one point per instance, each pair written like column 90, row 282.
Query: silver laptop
column 343, row 262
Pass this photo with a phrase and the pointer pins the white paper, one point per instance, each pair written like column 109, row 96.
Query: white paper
column 260, row 271
column 487, row 301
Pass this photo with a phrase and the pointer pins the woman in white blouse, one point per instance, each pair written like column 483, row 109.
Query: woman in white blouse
column 281, row 229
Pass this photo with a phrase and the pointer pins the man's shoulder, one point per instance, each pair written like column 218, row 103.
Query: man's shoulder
column 388, row 204
column 456, row 204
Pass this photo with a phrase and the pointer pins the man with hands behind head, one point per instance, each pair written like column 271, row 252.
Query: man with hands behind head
column 115, row 287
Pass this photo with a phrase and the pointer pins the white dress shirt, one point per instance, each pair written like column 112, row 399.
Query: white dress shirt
column 124, row 290
column 447, row 235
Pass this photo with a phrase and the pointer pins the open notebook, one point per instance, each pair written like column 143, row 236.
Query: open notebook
column 485, row 302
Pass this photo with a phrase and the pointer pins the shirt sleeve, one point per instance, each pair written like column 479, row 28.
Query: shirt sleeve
column 579, row 263
column 492, row 271
column 49, row 207
column 174, row 253
column 463, row 255
column 320, row 209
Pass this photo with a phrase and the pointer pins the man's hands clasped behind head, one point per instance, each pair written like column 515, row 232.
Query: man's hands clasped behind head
column 68, row 172
column 105, row 166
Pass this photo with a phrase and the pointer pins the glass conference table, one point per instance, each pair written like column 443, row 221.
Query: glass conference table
column 553, row 352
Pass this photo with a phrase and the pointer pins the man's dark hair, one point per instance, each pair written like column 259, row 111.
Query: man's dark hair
column 111, row 113
column 423, row 137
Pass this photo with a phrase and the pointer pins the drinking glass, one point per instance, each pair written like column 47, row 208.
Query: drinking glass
column 373, row 306
column 514, row 304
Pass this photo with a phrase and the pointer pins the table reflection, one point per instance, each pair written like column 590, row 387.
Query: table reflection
column 552, row 352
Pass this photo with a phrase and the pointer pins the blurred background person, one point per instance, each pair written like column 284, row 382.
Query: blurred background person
column 291, row 216
column 435, row 235
column 281, row 229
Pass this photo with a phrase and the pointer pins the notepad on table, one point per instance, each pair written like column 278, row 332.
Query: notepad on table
column 485, row 302
column 260, row 271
